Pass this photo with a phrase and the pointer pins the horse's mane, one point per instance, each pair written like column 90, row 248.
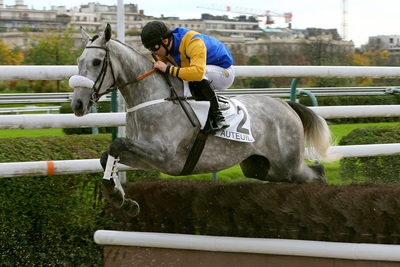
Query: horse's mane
column 124, row 44
column 131, row 48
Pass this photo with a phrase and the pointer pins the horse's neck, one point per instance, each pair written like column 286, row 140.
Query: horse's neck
column 130, row 64
column 153, row 87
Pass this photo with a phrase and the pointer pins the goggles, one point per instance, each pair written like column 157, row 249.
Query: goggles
column 154, row 48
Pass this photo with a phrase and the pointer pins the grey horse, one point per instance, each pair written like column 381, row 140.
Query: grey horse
column 160, row 135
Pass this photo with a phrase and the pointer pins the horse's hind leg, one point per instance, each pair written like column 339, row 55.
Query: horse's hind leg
column 256, row 167
column 261, row 168
column 319, row 171
column 309, row 173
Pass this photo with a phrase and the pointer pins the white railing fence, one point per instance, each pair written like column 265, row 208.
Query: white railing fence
column 270, row 246
column 64, row 72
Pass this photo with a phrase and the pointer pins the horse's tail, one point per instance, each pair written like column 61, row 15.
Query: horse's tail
column 318, row 138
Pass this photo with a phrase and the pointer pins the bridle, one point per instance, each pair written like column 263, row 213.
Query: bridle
column 100, row 78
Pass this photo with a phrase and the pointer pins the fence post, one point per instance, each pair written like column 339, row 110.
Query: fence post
column 293, row 92
column 293, row 87
column 114, row 108
column 95, row 130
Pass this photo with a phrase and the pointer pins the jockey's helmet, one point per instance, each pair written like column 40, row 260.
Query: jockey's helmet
column 153, row 32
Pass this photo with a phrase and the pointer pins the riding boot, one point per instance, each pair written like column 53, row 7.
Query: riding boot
column 216, row 113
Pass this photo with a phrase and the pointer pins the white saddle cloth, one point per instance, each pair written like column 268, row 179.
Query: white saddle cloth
column 237, row 117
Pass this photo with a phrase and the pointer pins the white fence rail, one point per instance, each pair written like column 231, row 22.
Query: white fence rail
column 19, row 110
column 37, row 121
column 14, row 73
column 29, row 98
column 25, row 98
column 40, row 121
column 64, row 72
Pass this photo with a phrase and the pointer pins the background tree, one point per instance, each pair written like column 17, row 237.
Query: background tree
column 372, row 58
column 54, row 48
column 322, row 52
column 10, row 56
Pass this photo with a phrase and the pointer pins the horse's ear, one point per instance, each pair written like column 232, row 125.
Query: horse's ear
column 107, row 33
column 85, row 36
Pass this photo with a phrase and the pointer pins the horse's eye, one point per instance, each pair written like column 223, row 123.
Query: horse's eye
column 96, row 62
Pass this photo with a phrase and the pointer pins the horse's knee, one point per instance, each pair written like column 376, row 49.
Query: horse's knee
column 117, row 147
column 103, row 159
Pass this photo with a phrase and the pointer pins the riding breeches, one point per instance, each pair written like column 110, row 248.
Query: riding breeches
column 221, row 78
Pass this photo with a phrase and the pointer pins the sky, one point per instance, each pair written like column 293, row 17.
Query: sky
column 365, row 18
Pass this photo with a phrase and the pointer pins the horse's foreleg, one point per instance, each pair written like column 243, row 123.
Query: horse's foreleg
column 114, row 188
column 140, row 154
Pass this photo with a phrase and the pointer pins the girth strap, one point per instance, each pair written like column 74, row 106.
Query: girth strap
column 195, row 153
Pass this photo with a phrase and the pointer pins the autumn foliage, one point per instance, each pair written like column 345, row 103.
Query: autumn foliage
column 10, row 56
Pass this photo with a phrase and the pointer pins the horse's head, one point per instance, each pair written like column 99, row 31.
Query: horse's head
column 96, row 75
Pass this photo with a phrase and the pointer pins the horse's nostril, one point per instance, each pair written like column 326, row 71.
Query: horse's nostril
column 79, row 104
column 78, row 107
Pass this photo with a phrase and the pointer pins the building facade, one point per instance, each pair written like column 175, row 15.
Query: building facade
column 384, row 42
column 240, row 34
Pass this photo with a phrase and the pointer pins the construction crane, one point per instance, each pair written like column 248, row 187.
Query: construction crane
column 344, row 19
column 265, row 18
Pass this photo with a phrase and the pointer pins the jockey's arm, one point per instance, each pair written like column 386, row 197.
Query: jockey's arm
column 197, row 52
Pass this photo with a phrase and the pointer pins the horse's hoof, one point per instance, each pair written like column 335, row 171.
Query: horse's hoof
column 131, row 207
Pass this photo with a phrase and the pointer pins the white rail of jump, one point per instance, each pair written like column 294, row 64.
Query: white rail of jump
column 353, row 251
column 62, row 167
column 53, row 167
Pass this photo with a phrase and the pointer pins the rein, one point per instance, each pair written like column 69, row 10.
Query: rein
column 139, row 78
column 100, row 79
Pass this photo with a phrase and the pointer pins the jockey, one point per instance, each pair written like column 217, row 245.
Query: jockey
column 202, row 60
